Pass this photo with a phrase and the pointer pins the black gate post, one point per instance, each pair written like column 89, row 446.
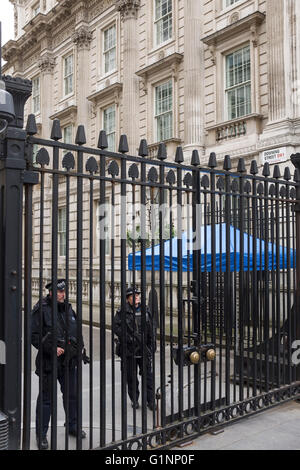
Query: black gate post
column 12, row 166
column 296, row 162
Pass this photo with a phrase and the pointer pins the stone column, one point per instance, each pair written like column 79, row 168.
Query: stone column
column 82, row 38
column 193, row 75
column 276, row 60
column 128, row 10
column 46, row 66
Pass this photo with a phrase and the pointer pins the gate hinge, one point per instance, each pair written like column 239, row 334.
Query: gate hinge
column 30, row 177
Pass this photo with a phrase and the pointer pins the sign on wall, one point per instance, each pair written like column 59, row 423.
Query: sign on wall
column 275, row 155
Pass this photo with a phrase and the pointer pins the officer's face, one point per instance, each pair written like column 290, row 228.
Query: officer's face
column 137, row 299
column 60, row 295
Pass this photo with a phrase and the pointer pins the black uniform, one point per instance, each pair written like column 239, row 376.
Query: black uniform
column 66, row 317
column 133, row 348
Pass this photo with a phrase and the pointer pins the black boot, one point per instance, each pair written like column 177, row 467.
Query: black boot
column 43, row 444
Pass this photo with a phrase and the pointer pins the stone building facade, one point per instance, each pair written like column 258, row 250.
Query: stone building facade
column 213, row 75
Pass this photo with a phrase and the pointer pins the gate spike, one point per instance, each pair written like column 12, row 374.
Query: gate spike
column 102, row 140
column 179, row 155
column 266, row 170
column 276, row 173
column 31, row 127
column 123, row 144
column 80, row 136
column 195, row 158
column 212, row 162
column 287, row 174
column 143, row 149
column 241, row 166
column 297, row 176
column 56, row 130
column 162, row 151
column 227, row 163
column 253, row 167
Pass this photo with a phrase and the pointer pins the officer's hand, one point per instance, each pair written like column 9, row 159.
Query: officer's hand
column 60, row 351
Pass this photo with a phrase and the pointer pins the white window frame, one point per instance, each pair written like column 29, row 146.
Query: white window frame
column 67, row 75
column 36, row 95
column 107, row 51
column 62, row 230
column 159, row 115
column 111, row 133
column 236, row 87
column 158, row 20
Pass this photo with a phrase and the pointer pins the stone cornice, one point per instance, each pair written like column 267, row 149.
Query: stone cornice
column 69, row 111
column 114, row 90
column 128, row 8
column 249, row 22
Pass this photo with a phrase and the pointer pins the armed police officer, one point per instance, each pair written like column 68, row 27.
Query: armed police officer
column 134, row 345
column 66, row 351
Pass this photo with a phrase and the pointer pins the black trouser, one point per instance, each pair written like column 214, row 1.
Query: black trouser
column 132, row 378
column 46, row 398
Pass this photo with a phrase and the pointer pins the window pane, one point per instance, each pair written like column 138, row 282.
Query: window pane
column 68, row 75
column 109, row 49
column 163, row 20
column 36, row 95
column 109, row 125
column 238, row 83
column 62, row 231
column 164, row 111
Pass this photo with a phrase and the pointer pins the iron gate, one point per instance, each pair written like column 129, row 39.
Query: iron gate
column 213, row 252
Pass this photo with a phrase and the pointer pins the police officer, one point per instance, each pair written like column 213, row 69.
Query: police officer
column 66, row 350
column 134, row 347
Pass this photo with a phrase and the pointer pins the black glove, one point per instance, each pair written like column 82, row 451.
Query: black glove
column 85, row 358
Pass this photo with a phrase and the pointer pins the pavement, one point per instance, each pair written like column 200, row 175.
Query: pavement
column 275, row 429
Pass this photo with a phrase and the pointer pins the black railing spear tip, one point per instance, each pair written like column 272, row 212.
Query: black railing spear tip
column 260, row 189
column 253, row 168
column 31, row 127
column 241, row 166
column 56, row 130
column 212, row 162
column 162, row 151
column 80, row 136
column 276, row 173
column 227, row 163
column 195, row 158
column 287, row 174
column 123, row 144
column 143, row 149
column 297, row 176
column 266, row 170
column 179, row 155
column 102, row 140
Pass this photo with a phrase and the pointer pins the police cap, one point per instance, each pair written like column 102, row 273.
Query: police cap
column 61, row 284
column 132, row 290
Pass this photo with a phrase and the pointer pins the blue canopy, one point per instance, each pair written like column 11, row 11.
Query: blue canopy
column 171, row 262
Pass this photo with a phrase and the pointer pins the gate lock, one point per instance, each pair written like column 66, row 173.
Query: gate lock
column 194, row 354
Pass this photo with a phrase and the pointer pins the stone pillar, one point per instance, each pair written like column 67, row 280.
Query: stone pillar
column 276, row 60
column 46, row 66
column 193, row 75
column 82, row 38
column 128, row 10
